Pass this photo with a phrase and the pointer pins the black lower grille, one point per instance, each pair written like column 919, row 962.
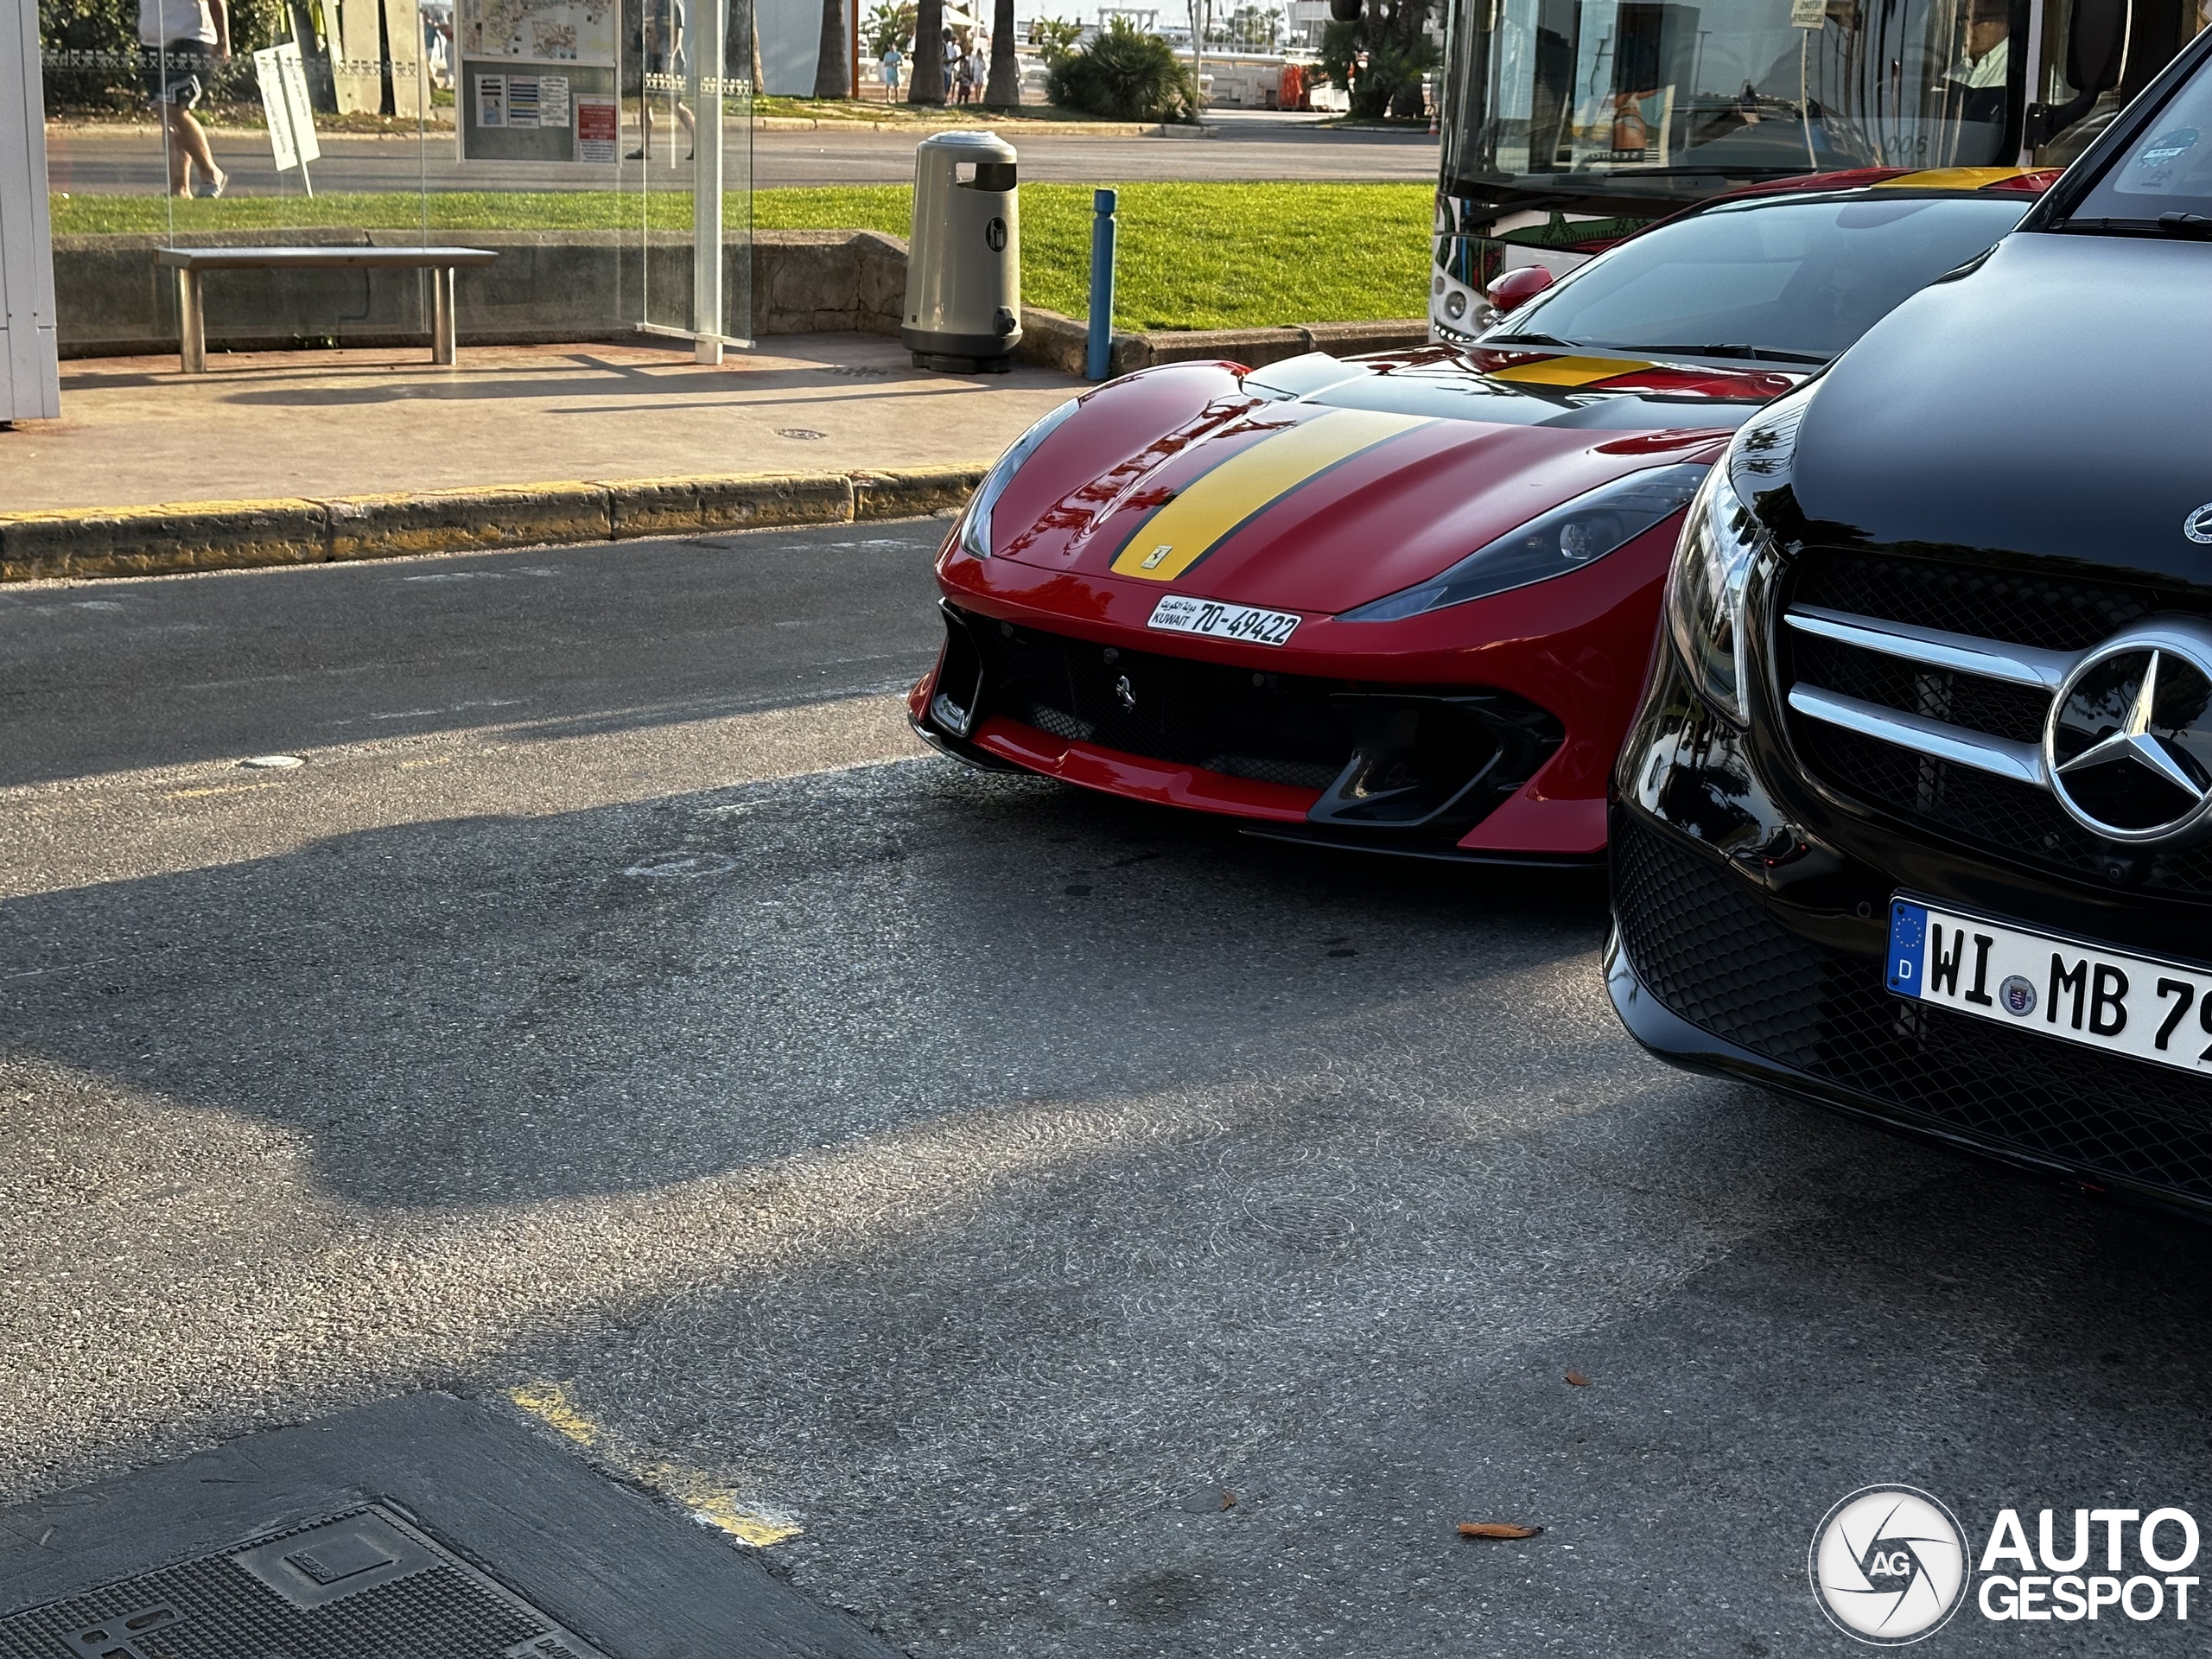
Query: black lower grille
column 1392, row 759
column 1707, row 950
column 1164, row 708
column 2012, row 820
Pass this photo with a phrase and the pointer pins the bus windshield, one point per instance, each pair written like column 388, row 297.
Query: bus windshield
column 1671, row 99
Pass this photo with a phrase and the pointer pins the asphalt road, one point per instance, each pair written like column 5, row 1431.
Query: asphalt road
column 112, row 160
column 1096, row 1233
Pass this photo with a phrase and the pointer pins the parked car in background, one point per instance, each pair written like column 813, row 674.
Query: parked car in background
column 1916, row 817
column 1405, row 602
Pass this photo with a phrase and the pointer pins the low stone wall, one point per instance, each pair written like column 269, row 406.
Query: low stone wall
column 554, row 287
column 547, row 287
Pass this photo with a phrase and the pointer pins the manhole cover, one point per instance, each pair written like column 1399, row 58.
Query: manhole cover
column 363, row 1585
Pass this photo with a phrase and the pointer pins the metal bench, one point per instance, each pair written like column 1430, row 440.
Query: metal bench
column 190, row 263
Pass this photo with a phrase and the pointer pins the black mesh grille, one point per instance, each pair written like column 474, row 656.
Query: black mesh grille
column 1711, row 952
column 2013, row 711
column 2011, row 820
column 1992, row 604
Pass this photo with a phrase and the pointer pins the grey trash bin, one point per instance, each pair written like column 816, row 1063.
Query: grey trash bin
column 963, row 262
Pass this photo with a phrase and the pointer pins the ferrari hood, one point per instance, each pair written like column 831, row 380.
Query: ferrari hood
column 1377, row 478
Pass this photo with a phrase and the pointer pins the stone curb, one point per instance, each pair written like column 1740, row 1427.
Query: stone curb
column 175, row 537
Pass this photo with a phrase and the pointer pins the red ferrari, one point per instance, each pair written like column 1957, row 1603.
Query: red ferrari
column 1405, row 602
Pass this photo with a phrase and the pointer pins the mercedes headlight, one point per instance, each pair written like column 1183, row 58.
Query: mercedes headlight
column 1570, row 535
column 975, row 524
column 1720, row 538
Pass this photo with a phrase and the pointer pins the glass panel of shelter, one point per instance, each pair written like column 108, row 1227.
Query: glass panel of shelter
column 501, row 125
column 688, row 128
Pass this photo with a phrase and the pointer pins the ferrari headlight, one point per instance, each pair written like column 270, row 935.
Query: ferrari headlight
column 1720, row 538
column 975, row 524
column 1568, row 537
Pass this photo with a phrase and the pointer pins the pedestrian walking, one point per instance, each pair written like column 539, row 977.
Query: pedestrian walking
column 658, row 62
column 180, row 42
column 892, row 58
column 967, row 78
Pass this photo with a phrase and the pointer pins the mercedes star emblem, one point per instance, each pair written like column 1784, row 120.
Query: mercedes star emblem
column 2198, row 525
column 2128, row 746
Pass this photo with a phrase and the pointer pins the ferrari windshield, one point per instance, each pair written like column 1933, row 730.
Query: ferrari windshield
column 1780, row 281
column 1650, row 95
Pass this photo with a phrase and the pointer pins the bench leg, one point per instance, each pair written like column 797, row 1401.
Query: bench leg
column 444, row 342
column 191, row 325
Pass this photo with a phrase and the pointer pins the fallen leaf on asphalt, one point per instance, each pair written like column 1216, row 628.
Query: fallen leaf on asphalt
column 1578, row 1379
column 1496, row 1529
column 1228, row 1500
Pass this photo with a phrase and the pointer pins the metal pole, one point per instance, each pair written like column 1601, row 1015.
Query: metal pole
column 444, row 342
column 1098, row 360
column 707, row 70
column 191, row 323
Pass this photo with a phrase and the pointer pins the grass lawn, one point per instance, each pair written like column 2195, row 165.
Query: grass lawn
column 1192, row 256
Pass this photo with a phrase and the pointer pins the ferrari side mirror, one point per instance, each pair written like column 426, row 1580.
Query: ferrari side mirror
column 1517, row 287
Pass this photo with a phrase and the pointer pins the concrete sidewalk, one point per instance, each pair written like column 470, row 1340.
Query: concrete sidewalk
column 135, row 432
column 302, row 458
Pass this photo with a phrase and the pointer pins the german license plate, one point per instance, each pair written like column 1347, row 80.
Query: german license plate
column 1216, row 621
column 2085, row 993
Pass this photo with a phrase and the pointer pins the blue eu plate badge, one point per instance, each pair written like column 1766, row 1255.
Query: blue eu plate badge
column 1908, row 943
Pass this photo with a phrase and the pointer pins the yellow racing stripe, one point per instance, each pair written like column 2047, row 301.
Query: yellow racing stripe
column 1570, row 370
column 1214, row 503
column 1950, row 178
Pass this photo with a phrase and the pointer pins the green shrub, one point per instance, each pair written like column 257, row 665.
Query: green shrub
column 1125, row 74
column 1390, row 33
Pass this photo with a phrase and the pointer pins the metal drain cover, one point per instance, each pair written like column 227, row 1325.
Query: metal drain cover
column 361, row 1585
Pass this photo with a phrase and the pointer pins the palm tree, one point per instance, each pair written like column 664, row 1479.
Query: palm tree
column 1003, row 90
column 832, row 78
column 926, row 84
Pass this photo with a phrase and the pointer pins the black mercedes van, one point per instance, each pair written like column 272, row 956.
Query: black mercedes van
column 1916, row 817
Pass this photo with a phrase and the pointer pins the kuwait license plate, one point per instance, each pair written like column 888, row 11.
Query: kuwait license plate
column 2089, row 994
column 1218, row 621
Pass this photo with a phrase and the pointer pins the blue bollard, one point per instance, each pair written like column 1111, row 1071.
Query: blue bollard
column 1098, row 360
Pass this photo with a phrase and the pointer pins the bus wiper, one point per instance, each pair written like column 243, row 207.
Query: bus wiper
column 1759, row 352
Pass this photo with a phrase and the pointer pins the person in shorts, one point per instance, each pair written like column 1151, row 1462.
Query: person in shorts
column 181, row 42
column 656, row 56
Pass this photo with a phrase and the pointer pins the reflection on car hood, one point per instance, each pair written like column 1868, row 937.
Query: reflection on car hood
column 1380, row 476
column 2050, row 403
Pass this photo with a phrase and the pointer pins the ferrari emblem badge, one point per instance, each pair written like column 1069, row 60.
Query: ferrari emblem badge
column 1125, row 694
column 1154, row 559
